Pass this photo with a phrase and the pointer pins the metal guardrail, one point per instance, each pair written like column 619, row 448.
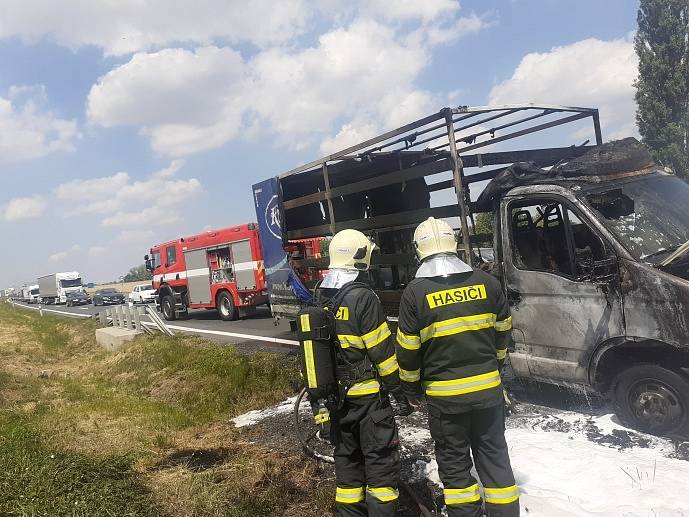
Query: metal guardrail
column 129, row 317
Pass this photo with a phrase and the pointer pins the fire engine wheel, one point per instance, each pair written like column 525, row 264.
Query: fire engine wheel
column 308, row 432
column 652, row 399
column 226, row 308
column 168, row 308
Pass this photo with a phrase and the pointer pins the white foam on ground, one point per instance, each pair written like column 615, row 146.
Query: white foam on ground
column 563, row 473
column 255, row 416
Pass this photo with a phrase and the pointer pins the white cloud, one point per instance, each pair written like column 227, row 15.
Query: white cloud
column 128, row 26
column 591, row 73
column 118, row 193
column 135, row 236
column 62, row 255
column 97, row 251
column 189, row 101
column 58, row 257
column 98, row 187
column 28, row 131
column 23, row 208
column 154, row 215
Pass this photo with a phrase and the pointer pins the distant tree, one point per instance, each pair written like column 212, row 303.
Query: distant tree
column 662, row 89
column 483, row 223
column 138, row 273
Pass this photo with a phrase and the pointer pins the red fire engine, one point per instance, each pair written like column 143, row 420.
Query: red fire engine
column 218, row 269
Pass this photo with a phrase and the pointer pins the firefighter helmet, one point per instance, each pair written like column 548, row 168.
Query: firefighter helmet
column 434, row 236
column 350, row 249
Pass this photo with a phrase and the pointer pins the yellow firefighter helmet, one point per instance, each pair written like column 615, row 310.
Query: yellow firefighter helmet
column 434, row 236
column 350, row 249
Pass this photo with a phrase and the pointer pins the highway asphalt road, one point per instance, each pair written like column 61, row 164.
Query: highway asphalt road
column 253, row 333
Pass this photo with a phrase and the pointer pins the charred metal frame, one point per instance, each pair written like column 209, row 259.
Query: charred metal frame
column 448, row 130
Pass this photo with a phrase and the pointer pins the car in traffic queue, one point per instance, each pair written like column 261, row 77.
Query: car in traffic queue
column 108, row 296
column 77, row 298
column 144, row 293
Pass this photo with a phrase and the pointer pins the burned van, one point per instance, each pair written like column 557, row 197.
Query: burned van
column 590, row 241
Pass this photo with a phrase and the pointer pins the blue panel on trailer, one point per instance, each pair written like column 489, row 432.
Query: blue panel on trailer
column 279, row 274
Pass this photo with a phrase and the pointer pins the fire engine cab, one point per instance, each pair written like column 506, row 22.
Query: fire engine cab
column 218, row 269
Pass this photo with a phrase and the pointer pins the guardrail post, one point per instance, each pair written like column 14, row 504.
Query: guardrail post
column 130, row 318
column 137, row 318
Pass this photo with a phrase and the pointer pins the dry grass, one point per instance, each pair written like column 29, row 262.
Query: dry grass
column 153, row 420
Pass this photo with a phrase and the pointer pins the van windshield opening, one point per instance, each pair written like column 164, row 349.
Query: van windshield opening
column 649, row 215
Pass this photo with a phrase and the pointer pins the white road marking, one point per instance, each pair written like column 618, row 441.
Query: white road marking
column 250, row 337
column 230, row 334
column 72, row 314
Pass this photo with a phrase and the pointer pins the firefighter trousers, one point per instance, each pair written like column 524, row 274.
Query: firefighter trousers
column 482, row 432
column 367, row 462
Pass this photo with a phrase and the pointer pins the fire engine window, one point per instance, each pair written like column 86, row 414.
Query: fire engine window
column 156, row 259
column 171, row 255
column 539, row 237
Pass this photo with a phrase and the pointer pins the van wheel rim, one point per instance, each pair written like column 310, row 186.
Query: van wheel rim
column 656, row 405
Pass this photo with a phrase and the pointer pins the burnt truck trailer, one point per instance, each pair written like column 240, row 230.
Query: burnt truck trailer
column 590, row 241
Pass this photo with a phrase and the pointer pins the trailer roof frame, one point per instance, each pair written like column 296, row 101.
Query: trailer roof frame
column 451, row 149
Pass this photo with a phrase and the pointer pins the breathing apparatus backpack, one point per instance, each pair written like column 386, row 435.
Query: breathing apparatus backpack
column 327, row 376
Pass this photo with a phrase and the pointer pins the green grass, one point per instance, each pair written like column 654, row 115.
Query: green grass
column 36, row 479
column 201, row 378
column 85, row 437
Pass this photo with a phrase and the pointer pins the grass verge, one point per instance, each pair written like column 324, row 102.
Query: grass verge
column 142, row 432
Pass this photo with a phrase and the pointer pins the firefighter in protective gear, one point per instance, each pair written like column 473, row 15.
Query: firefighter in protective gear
column 453, row 336
column 363, row 430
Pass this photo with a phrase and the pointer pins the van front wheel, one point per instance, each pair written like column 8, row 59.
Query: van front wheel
column 652, row 399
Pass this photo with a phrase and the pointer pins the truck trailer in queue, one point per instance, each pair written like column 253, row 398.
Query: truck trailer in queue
column 590, row 241
column 217, row 269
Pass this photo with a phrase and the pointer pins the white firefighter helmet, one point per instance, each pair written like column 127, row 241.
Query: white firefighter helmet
column 350, row 249
column 434, row 236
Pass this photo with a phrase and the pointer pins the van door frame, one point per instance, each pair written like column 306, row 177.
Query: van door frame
column 562, row 364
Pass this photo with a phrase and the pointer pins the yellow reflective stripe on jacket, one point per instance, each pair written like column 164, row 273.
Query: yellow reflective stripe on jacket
column 504, row 325
column 354, row 341
column 462, row 386
column 410, row 375
column 502, row 354
column 388, row 366
column 377, row 336
column 458, row 325
column 364, row 388
column 305, row 323
column 349, row 495
column 384, row 494
column 505, row 495
column 408, row 341
column 462, row 495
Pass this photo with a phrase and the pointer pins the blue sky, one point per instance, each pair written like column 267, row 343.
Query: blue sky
column 129, row 125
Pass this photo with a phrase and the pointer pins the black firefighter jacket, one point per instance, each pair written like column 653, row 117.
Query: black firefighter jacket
column 452, row 340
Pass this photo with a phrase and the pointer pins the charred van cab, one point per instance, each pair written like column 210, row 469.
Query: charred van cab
column 590, row 242
column 597, row 274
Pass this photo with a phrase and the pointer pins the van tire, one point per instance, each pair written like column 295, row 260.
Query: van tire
column 652, row 399
column 226, row 308
column 167, row 307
